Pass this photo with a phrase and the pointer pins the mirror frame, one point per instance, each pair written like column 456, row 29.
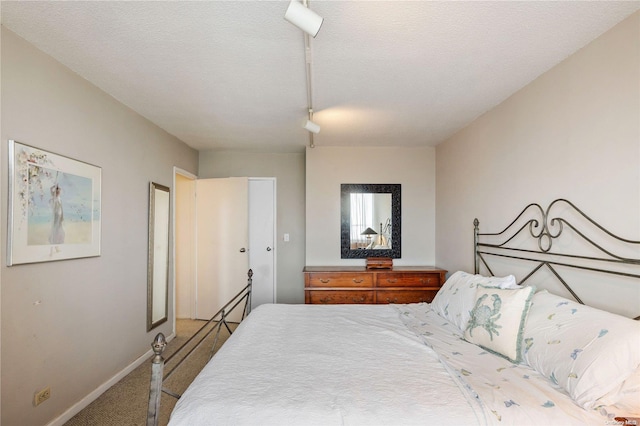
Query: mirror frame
column 158, row 256
column 346, row 189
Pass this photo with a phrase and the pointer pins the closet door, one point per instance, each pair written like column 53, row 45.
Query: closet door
column 222, row 207
column 262, row 235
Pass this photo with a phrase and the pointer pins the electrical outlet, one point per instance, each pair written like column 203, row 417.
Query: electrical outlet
column 41, row 396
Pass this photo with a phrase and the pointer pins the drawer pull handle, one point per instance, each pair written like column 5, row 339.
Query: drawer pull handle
column 324, row 281
column 358, row 300
column 358, row 280
column 423, row 281
column 325, row 300
column 394, row 300
column 392, row 281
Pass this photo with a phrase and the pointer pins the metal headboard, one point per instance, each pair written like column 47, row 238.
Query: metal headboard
column 540, row 226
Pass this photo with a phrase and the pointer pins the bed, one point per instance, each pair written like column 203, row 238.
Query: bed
column 487, row 350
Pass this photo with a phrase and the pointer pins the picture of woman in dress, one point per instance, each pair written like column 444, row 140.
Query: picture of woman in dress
column 57, row 230
column 59, row 209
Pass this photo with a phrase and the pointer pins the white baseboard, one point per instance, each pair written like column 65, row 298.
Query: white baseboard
column 84, row 402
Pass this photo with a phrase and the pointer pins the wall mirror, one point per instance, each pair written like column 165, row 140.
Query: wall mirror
column 158, row 262
column 370, row 221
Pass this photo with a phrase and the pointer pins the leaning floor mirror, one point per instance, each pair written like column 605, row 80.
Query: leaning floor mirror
column 158, row 262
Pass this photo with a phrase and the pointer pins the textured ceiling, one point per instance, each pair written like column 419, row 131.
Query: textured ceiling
column 231, row 74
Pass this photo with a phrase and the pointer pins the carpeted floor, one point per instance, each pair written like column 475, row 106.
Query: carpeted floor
column 125, row 403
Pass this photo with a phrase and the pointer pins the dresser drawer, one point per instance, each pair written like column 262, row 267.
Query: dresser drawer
column 339, row 279
column 408, row 279
column 354, row 284
column 405, row 296
column 339, row 296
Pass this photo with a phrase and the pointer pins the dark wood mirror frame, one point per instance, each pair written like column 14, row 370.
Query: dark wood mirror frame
column 346, row 189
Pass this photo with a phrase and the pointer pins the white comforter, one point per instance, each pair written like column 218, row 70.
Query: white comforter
column 352, row 365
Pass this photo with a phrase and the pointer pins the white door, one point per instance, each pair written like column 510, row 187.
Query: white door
column 222, row 242
column 185, row 244
column 262, row 206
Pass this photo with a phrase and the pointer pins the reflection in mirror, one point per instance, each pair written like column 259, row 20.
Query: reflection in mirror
column 158, row 262
column 370, row 221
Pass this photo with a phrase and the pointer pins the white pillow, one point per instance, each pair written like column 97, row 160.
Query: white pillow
column 586, row 351
column 497, row 320
column 625, row 400
column 457, row 296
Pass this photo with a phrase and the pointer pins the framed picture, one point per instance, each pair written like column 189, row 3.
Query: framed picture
column 54, row 206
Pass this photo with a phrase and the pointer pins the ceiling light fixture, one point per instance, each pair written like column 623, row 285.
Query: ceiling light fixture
column 310, row 125
column 308, row 21
column 303, row 17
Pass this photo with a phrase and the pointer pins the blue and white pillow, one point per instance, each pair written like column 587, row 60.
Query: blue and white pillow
column 497, row 320
column 455, row 300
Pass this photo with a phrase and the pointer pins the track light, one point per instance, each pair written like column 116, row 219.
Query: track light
column 312, row 127
column 304, row 18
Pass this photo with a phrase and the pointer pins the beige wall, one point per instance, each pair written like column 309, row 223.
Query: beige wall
column 288, row 169
column 573, row 133
column 90, row 321
column 328, row 167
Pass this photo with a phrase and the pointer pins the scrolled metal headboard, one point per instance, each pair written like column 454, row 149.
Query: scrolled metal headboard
column 544, row 229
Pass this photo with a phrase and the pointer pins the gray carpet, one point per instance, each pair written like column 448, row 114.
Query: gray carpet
column 125, row 403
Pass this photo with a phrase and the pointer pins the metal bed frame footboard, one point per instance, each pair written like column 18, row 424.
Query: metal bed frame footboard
column 545, row 228
column 158, row 376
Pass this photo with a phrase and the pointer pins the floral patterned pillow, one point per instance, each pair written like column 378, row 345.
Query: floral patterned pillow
column 586, row 351
column 497, row 320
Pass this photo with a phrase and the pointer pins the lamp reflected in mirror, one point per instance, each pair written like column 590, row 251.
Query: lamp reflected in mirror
column 368, row 233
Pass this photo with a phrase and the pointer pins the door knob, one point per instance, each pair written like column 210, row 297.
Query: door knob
column 268, row 248
column 242, row 250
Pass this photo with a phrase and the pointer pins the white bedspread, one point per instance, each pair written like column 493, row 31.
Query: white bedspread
column 365, row 365
column 323, row 365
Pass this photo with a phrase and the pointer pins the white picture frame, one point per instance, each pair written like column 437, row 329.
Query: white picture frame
column 54, row 206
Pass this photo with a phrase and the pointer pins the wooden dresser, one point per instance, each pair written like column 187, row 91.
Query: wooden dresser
column 356, row 284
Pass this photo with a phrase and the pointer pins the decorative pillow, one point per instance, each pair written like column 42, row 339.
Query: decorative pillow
column 586, row 351
column 455, row 299
column 497, row 320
